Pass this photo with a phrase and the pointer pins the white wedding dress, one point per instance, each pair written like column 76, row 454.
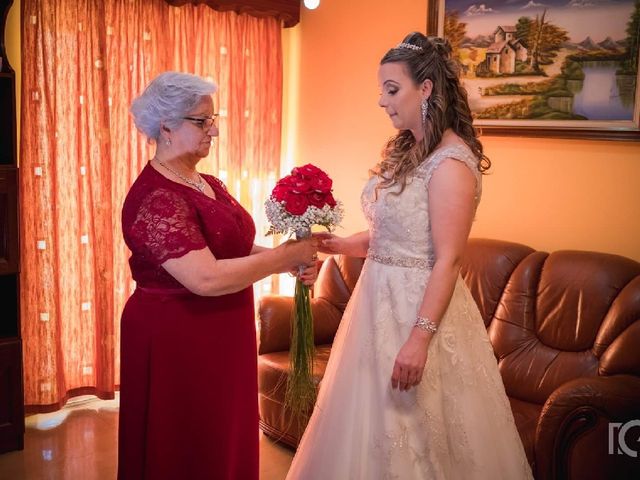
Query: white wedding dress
column 457, row 423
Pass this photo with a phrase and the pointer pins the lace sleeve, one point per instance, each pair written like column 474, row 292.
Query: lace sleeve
column 459, row 153
column 165, row 226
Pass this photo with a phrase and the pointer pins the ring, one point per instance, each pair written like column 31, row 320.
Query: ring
column 314, row 257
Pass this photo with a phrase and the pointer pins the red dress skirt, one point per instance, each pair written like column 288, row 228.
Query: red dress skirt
column 188, row 387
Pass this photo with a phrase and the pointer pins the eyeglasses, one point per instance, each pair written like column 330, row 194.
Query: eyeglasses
column 205, row 123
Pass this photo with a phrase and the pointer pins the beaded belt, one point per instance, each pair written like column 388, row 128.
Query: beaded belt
column 407, row 262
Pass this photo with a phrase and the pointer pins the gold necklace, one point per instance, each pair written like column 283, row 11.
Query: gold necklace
column 197, row 184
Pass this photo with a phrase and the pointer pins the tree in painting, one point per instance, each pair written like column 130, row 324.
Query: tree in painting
column 543, row 37
column 633, row 39
column 455, row 30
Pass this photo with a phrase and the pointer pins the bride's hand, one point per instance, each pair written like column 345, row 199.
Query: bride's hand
column 409, row 364
column 329, row 243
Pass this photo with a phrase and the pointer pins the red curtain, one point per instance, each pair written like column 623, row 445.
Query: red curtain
column 83, row 61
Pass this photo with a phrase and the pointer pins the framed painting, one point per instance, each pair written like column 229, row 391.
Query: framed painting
column 546, row 68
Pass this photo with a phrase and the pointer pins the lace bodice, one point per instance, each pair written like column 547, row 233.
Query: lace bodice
column 399, row 225
column 162, row 219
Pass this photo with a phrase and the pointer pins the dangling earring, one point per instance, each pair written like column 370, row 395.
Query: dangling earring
column 168, row 142
column 424, row 108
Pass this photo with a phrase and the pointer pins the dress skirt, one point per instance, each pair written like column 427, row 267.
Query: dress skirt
column 455, row 425
column 188, row 387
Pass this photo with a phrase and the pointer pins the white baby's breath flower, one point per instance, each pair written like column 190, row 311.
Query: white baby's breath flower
column 286, row 223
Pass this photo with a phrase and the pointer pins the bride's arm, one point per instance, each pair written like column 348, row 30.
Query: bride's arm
column 452, row 203
column 355, row 245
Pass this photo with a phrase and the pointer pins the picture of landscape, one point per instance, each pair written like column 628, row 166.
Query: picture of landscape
column 547, row 60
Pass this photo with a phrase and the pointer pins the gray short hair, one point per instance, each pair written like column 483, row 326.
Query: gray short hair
column 168, row 98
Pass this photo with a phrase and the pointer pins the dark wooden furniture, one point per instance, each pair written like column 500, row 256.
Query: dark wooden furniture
column 11, row 392
column 288, row 11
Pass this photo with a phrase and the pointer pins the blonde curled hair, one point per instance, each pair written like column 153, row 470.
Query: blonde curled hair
column 447, row 108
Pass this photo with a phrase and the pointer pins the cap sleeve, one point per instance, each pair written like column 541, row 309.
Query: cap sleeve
column 458, row 152
column 165, row 226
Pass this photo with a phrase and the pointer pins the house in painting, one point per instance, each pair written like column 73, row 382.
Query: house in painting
column 502, row 54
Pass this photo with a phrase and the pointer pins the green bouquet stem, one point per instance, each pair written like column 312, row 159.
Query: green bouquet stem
column 301, row 390
column 300, row 395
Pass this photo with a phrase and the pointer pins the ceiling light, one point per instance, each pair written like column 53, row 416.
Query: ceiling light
column 311, row 4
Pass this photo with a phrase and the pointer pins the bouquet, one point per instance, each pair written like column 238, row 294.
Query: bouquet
column 297, row 202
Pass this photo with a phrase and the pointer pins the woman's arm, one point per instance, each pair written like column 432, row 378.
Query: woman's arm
column 201, row 273
column 258, row 249
column 355, row 245
column 452, row 191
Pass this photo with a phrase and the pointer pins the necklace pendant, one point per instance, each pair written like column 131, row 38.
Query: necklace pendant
column 198, row 185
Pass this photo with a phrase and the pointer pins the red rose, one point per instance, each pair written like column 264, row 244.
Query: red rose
column 295, row 204
column 288, row 180
column 307, row 185
column 308, row 171
column 279, row 191
column 317, row 199
column 321, row 183
column 301, row 185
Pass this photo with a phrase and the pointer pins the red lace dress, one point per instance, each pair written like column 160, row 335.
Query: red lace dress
column 188, row 391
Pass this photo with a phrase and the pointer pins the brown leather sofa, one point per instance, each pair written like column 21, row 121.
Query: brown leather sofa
column 565, row 328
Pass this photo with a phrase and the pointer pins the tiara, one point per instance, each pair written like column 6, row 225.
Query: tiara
column 409, row 46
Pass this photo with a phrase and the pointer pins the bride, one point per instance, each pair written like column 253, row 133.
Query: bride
column 412, row 388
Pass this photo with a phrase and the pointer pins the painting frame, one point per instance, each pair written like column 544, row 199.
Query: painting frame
column 569, row 129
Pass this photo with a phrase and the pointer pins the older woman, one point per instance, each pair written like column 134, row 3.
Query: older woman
column 188, row 402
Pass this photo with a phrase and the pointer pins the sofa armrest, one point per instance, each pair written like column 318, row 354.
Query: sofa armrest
column 274, row 321
column 580, row 411
column 274, row 317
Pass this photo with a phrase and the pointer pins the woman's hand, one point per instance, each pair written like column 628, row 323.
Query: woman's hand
column 308, row 275
column 355, row 245
column 329, row 243
column 299, row 252
column 411, row 361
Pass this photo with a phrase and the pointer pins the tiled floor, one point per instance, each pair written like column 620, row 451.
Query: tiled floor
column 79, row 443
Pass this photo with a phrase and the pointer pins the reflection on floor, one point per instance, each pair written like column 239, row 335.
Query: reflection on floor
column 79, row 442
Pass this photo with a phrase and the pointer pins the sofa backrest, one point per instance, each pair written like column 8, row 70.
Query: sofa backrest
column 336, row 280
column 560, row 316
column 487, row 267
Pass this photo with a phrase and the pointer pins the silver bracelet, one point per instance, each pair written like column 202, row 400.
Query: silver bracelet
column 423, row 323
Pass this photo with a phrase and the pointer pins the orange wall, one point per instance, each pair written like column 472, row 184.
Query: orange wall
column 340, row 127
column 550, row 194
column 563, row 194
